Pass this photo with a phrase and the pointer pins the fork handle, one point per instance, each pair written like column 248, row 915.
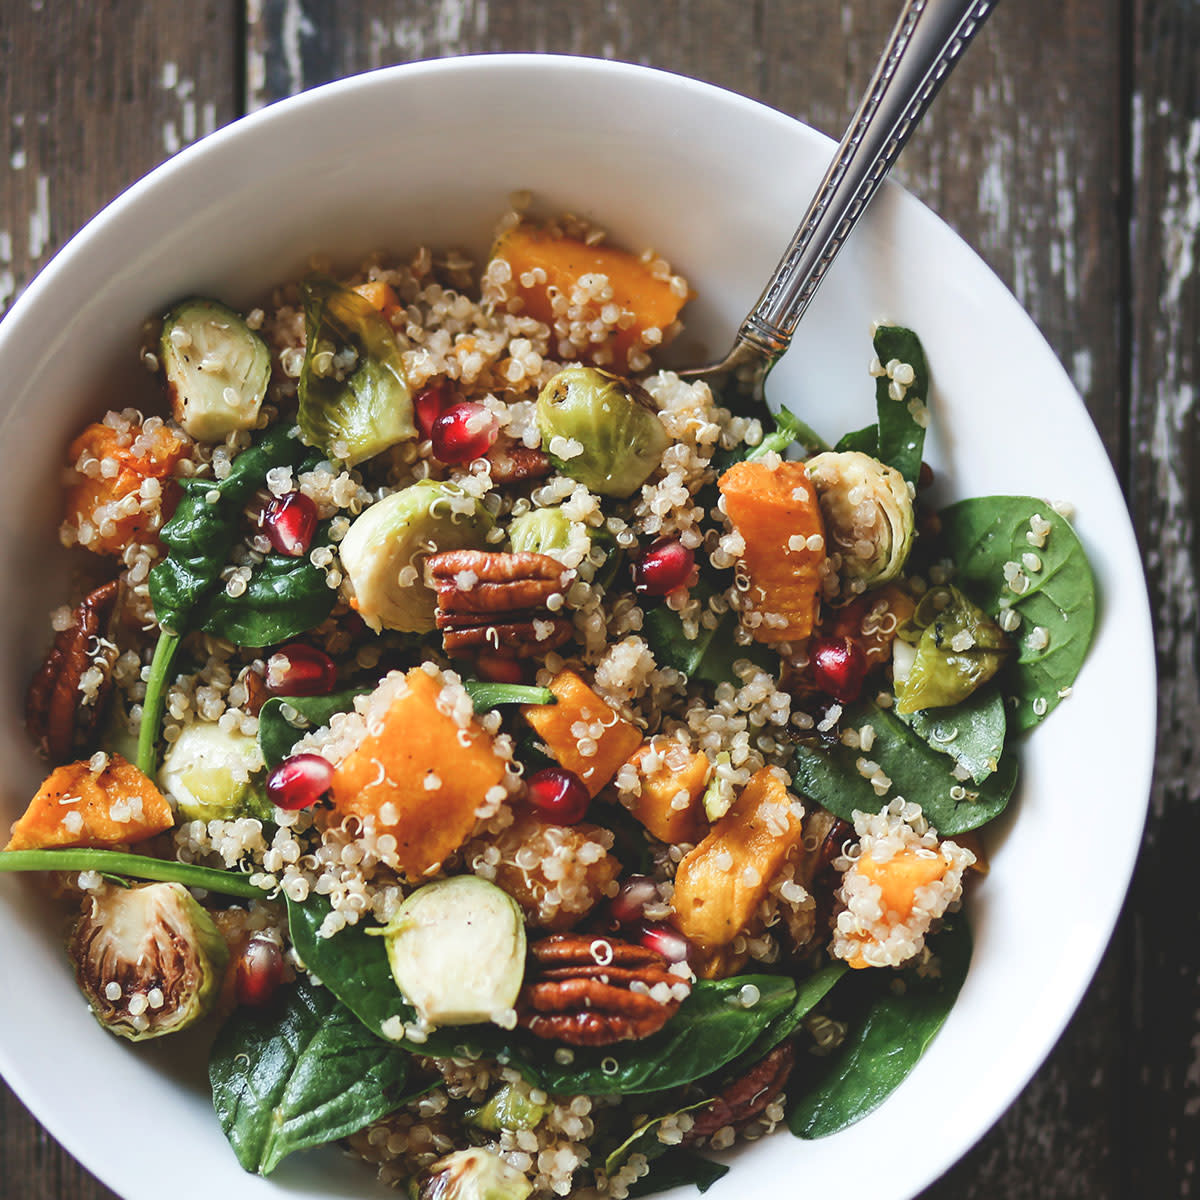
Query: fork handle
column 924, row 46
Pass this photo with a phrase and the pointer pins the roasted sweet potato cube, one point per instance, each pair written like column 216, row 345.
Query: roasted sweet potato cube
column 100, row 802
column 669, row 804
column 721, row 883
column 546, row 265
column 120, row 476
column 775, row 510
column 581, row 722
column 421, row 774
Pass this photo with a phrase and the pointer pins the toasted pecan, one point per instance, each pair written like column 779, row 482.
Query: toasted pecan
column 514, row 462
column 498, row 603
column 58, row 715
column 747, row 1096
column 594, row 991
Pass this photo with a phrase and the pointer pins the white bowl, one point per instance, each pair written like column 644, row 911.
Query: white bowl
column 428, row 154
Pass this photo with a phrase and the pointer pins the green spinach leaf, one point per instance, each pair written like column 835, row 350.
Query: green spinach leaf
column 676, row 1168
column 284, row 1079
column 354, row 396
column 710, row 1029
column 981, row 536
column 890, row 1035
column 486, row 696
column 901, row 433
column 640, row 1140
column 971, row 733
column 277, row 735
column 809, row 993
column 708, row 657
column 921, row 775
column 865, row 441
column 119, row 866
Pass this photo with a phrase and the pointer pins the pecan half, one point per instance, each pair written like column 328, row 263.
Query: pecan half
column 514, row 462
column 58, row 715
column 488, row 600
column 594, row 991
column 747, row 1096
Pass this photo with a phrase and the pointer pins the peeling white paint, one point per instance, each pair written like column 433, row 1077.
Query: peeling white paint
column 1081, row 370
column 39, row 219
column 296, row 26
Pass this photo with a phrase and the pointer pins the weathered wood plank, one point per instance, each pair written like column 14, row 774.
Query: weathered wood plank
column 1163, row 1041
column 91, row 98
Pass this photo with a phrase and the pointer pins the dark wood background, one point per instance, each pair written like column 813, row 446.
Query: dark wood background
column 1066, row 148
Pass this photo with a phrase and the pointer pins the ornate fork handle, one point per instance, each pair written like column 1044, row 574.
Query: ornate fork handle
column 925, row 44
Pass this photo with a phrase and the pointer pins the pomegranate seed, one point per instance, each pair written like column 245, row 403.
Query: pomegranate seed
column 667, row 941
column 300, row 670
column 499, row 668
column 662, row 567
column 259, row 972
column 464, row 432
column 299, row 781
column 558, row 794
column 636, row 892
column 429, row 404
column 838, row 666
column 289, row 522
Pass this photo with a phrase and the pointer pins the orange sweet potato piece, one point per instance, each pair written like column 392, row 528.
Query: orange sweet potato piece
column 544, row 265
column 775, row 510
column 901, row 876
column 420, row 775
column 721, row 883
column 107, row 510
column 379, row 295
column 581, row 716
column 78, row 805
column 872, row 621
column 669, row 804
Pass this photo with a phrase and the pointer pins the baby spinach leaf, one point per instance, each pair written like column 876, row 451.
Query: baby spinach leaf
column 641, row 1141
column 788, row 430
column 971, row 733
column 277, row 735
column 676, row 1168
column 354, row 396
column 865, row 441
column 984, row 534
column 710, row 655
column 809, row 993
column 284, row 1079
column 486, row 696
column 901, row 435
column 918, row 773
column 886, row 1040
column 710, row 1029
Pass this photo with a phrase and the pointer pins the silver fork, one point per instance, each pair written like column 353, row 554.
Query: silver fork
column 924, row 46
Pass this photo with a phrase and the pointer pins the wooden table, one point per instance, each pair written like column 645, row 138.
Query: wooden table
column 1066, row 149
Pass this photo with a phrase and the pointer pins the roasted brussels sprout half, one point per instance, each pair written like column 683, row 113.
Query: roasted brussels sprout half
column 384, row 550
column 600, row 429
column 457, row 950
column 948, row 649
column 354, row 395
column 217, row 369
column 868, row 514
column 509, row 1107
column 148, row 958
column 474, row 1174
column 213, row 774
column 540, row 531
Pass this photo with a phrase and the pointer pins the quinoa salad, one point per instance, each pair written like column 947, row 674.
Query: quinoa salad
column 519, row 769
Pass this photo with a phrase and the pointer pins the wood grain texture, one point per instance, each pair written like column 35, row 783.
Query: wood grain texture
column 1065, row 149
column 1163, row 1037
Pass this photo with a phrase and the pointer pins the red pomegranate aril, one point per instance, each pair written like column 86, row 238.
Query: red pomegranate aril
column 838, row 667
column 429, row 404
column 464, row 432
column 627, row 906
column 259, row 972
column 289, row 521
column 667, row 941
column 300, row 781
column 558, row 794
column 300, row 670
column 662, row 567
